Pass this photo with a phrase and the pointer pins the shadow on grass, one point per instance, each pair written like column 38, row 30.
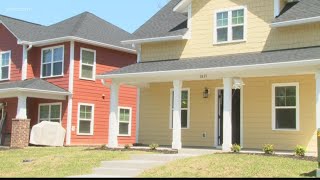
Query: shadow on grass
column 309, row 174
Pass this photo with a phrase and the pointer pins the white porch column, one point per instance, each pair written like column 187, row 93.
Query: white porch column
column 113, row 116
column 24, row 62
column 318, row 99
column 176, row 143
column 227, row 114
column 22, row 108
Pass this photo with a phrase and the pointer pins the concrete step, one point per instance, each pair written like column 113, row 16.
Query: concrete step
column 159, row 157
column 132, row 164
column 120, row 172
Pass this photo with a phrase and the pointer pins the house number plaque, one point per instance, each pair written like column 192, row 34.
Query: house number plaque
column 203, row 76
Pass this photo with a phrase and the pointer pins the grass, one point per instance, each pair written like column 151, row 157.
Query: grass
column 54, row 162
column 235, row 165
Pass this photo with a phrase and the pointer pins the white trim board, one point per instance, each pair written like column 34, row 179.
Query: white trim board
column 295, row 22
column 74, row 38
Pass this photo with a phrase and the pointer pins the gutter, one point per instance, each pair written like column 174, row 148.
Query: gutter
column 73, row 38
column 157, row 39
column 296, row 22
column 203, row 70
column 34, row 90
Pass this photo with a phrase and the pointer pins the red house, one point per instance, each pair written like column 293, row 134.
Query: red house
column 47, row 73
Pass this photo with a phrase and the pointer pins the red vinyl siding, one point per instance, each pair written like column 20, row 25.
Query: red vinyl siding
column 92, row 92
column 34, row 65
column 11, row 110
column 8, row 42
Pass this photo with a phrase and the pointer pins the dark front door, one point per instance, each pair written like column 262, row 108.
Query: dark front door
column 236, row 112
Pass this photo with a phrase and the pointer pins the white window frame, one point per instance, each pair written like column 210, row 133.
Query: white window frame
column 229, row 10
column 9, row 65
column 130, row 121
column 171, row 108
column 94, row 64
column 297, row 107
column 50, row 104
column 92, row 120
column 41, row 63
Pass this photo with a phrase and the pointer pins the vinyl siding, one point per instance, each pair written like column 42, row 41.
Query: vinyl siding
column 260, row 36
column 257, row 114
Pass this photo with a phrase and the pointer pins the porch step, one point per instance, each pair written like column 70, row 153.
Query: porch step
column 132, row 164
column 123, row 172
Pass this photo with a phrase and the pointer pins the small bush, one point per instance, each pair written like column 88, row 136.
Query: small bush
column 236, row 148
column 103, row 147
column 268, row 149
column 300, row 151
column 127, row 146
column 153, row 146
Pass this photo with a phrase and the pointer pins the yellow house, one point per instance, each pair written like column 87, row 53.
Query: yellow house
column 212, row 73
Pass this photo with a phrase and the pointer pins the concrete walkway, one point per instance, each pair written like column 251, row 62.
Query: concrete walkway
column 139, row 163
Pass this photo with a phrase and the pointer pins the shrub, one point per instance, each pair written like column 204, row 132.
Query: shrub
column 153, row 146
column 300, row 151
column 127, row 146
column 103, row 147
column 268, row 149
column 236, row 148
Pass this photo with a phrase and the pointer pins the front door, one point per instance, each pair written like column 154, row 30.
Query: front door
column 236, row 112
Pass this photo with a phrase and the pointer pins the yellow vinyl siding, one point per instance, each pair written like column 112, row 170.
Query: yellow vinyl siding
column 260, row 36
column 257, row 114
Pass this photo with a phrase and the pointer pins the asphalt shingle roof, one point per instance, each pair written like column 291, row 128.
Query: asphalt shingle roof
column 36, row 84
column 299, row 10
column 257, row 58
column 85, row 25
column 164, row 23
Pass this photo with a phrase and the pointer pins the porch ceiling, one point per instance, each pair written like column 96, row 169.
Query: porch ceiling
column 36, row 88
column 271, row 63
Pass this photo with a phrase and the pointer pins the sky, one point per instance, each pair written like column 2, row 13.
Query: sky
column 127, row 14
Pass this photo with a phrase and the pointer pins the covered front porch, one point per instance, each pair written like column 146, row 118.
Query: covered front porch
column 249, row 99
column 26, row 103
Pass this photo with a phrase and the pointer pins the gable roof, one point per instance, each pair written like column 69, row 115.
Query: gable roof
column 298, row 10
column 86, row 26
column 164, row 23
column 226, row 61
column 33, row 84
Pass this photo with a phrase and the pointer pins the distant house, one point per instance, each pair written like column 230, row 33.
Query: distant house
column 213, row 73
column 48, row 73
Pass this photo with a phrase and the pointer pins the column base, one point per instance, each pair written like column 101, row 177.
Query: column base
column 20, row 133
column 177, row 146
column 226, row 147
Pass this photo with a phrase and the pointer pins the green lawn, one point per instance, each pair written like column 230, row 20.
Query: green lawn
column 54, row 162
column 235, row 165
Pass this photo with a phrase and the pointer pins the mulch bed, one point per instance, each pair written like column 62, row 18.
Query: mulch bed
column 306, row 158
column 162, row 151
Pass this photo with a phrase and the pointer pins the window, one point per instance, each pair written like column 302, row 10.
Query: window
column 124, row 121
column 230, row 25
column 88, row 63
column 185, row 109
column 286, row 106
column 52, row 61
column 50, row 112
column 5, row 65
column 85, row 119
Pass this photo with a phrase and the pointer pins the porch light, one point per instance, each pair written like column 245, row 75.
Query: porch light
column 238, row 83
column 206, row 93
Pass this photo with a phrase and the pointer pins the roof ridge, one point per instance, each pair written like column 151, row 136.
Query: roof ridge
column 21, row 20
column 79, row 22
